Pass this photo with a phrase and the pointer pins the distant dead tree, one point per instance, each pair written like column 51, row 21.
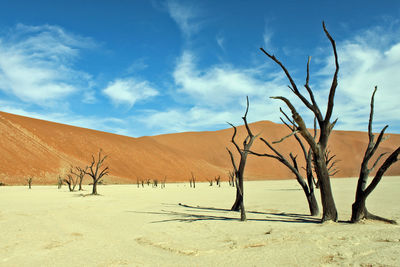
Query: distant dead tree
column 306, row 184
column 192, row 181
column 239, row 171
column 59, row 182
column 318, row 148
column 29, row 180
column 155, row 182
column 70, row 181
column 80, row 174
column 210, row 181
column 359, row 209
column 163, row 182
column 231, row 177
column 218, row 180
column 96, row 170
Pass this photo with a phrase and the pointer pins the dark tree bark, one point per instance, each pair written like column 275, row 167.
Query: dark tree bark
column 318, row 148
column 359, row 209
column 96, row 171
column 239, row 172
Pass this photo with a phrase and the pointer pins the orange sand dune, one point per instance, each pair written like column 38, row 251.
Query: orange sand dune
column 43, row 150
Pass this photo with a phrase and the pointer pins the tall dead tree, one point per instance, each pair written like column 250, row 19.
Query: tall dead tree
column 239, row 172
column 306, row 184
column 359, row 209
column 96, row 170
column 318, row 147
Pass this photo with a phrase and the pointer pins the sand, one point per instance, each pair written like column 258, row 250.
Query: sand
column 130, row 226
column 44, row 150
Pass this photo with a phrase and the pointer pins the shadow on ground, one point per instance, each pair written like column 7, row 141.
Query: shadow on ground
column 192, row 214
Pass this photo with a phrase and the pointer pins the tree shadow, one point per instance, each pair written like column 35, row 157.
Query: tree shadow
column 191, row 214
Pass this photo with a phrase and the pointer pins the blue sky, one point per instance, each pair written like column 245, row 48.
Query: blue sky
column 151, row 67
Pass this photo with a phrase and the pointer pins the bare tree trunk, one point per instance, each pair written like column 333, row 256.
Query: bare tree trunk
column 239, row 172
column 359, row 209
column 94, row 189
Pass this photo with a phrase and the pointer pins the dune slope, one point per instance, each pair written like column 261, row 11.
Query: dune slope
column 43, row 150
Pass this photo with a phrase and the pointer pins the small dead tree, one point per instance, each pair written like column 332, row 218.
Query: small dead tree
column 359, row 209
column 239, row 172
column 96, row 170
column 29, row 180
column 218, row 180
column 318, row 148
column 210, row 181
column 192, row 181
column 59, row 182
column 80, row 174
column 155, row 182
column 70, row 181
column 163, row 182
column 231, row 178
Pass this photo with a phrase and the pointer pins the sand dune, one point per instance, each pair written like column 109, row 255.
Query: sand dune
column 130, row 226
column 43, row 150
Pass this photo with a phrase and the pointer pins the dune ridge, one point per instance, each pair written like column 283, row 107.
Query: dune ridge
column 43, row 150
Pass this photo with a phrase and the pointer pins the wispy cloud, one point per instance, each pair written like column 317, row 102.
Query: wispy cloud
column 129, row 91
column 36, row 63
column 364, row 64
column 220, row 42
column 184, row 15
column 267, row 37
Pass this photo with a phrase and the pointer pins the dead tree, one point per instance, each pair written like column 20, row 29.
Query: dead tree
column 29, row 180
column 218, row 180
column 163, row 182
column 239, row 172
column 97, row 171
column 306, row 184
column 70, row 181
column 59, row 182
column 80, row 174
column 192, row 181
column 231, row 175
column 318, row 148
column 359, row 209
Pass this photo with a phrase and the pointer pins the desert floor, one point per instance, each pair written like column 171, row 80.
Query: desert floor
column 126, row 225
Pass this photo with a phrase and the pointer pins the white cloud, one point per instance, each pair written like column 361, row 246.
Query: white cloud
column 36, row 64
column 363, row 65
column 221, row 84
column 215, row 95
column 184, row 16
column 129, row 91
